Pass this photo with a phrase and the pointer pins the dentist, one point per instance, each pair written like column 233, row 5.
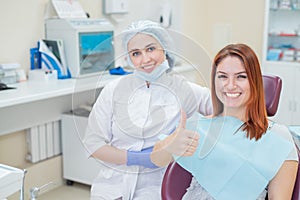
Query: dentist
column 132, row 111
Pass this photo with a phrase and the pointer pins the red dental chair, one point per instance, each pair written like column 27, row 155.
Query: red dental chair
column 176, row 179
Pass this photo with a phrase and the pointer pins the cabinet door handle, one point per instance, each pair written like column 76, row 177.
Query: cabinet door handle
column 290, row 105
column 293, row 106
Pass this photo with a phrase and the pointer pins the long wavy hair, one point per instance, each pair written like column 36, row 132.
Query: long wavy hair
column 256, row 113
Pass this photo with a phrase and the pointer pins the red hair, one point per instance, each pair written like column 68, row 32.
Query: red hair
column 256, row 113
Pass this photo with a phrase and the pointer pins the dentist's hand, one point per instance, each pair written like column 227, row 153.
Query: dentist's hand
column 141, row 158
column 182, row 142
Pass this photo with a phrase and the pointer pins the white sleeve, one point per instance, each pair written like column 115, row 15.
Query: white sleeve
column 98, row 131
column 203, row 99
column 284, row 132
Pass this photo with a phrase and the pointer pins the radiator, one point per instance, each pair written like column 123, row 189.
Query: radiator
column 43, row 141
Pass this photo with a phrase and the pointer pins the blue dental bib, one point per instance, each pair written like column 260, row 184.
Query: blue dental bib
column 230, row 166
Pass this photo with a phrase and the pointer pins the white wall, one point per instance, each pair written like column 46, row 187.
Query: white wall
column 245, row 18
column 22, row 23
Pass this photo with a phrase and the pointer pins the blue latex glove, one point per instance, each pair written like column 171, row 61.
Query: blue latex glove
column 118, row 71
column 141, row 158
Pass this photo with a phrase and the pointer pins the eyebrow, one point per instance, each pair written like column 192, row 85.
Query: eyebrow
column 151, row 44
column 242, row 72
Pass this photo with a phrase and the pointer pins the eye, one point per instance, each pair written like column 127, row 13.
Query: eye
column 151, row 48
column 242, row 76
column 135, row 53
column 221, row 76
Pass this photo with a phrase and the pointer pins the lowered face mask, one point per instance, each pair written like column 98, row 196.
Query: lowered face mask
column 155, row 74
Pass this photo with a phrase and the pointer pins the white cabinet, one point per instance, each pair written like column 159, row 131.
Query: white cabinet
column 281, row 55
column 77, row 166
column 289, row 106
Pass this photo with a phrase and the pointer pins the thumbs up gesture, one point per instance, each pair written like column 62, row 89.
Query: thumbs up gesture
column 182, row 142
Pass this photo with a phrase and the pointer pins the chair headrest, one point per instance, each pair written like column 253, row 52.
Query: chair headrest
column 272, row 89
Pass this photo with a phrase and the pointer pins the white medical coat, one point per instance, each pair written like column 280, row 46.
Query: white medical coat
column 129, row 115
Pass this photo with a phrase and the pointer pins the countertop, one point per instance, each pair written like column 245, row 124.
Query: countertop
column 30, row 91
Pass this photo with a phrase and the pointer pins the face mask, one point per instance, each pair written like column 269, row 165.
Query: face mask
column 155, row 74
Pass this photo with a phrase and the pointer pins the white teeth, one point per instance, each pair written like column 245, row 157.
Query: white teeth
column 232, row 94
column 147, row 67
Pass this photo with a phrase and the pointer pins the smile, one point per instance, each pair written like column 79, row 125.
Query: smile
column 233, row 95
column 147, row 67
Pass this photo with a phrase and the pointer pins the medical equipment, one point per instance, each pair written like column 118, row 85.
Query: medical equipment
column 11, row 181
column 88, row 44
column 34, row 192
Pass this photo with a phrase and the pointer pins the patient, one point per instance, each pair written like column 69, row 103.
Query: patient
column 237, row 153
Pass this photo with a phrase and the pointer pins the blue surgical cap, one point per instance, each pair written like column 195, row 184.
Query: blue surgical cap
column 153, row 29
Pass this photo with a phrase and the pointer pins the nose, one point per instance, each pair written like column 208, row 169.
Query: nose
column 231, row 83
column 145, row 57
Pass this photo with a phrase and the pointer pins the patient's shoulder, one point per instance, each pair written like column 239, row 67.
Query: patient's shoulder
column 283, row 131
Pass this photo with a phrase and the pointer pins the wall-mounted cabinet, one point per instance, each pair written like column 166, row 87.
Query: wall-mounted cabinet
column 283, row 31
column 281, row 55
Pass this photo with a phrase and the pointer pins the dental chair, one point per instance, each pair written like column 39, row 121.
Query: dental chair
column 176, row 179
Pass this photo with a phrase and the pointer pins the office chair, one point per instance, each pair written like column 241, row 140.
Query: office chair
column 176, row 179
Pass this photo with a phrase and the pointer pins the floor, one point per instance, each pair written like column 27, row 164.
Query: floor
column 74, row 192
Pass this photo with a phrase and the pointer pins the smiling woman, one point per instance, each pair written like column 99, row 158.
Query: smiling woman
column 238, row 137
column 147, row 56
column 241, row 73
column 132, row 111
column 145, row 52
column 232, row 86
